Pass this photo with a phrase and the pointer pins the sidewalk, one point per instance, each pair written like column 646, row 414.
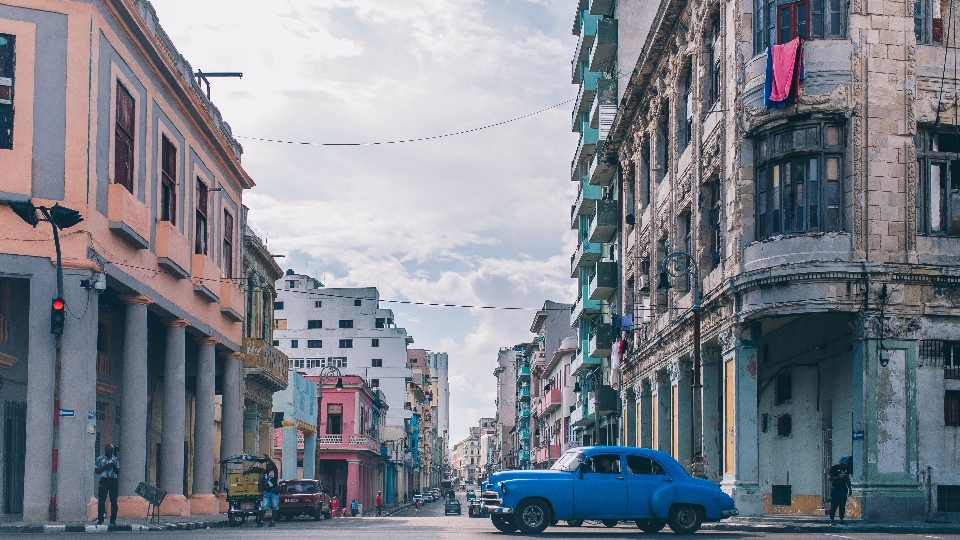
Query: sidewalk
column 810, row 524
column 167, row 523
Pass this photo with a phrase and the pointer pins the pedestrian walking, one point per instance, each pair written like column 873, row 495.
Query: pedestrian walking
column 334, row 504
column 108, row 467
column 354, row 507
column 839, row 477
column 271, row 493
column 379, row 504
column 416, row 507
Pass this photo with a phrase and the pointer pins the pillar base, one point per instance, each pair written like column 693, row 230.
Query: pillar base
column 175, row 505
column 746, row 497
column 222, row 503
column 204, row 504
column 128, row 506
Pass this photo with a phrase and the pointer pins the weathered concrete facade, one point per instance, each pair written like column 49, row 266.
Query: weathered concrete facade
column 826, row 251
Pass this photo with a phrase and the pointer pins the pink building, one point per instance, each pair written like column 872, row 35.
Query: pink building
column 350, row 456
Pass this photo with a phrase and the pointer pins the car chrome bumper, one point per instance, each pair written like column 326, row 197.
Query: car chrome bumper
column 730, row 512
column 494, row 510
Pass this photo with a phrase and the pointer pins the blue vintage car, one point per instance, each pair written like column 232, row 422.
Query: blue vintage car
column 607, row 483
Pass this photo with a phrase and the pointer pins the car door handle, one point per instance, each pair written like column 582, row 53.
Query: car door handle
column 620, row 478
column 668, row 479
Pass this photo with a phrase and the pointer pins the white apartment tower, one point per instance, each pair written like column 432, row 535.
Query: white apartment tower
column 318, row 326
column 439, row 373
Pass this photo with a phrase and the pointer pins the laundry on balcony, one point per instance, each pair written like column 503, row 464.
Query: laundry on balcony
column 784, row 73
column 621, row 323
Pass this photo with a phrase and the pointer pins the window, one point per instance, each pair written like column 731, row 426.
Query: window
column 643, row 465
column 602, row 463
column 280, row 324
column 296, row 363
column 685, row 118
column 276, row 343
column 951, row 408
column 340, row 362
column 334, row 418
column 645, row 174
column 938, row 353
column 317, row 304
column 200, row 240
column 927, row 21
column 376, row 362
column 291, row 284
column 663, row 133
column 314, row 343
column 784, row 425
column 716, row 229
column 356, row 302
column 776, row 21
column 123, row 139
column 294, row 343
column 413, row 360
column 346, row 324
column 168, row 181
column 7, row 61
column 374, row 342
column 346, row 343
column 799, row 172
column 783, row 391
column 374, row 383
column 380, row 323
column 313, row 324
column 714, row 70
column 277, row 306
column 938, row 192
column 948, row 498
column 227, row 245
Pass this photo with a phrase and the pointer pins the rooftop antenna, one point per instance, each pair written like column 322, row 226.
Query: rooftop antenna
column 205, row 77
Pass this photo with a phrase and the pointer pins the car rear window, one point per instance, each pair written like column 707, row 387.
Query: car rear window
column 300, row 487
column 643, row 465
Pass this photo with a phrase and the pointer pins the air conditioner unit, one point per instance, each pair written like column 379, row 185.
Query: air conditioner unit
column 643, row 284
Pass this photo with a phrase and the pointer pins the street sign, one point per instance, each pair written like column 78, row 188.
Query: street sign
column 69, row 413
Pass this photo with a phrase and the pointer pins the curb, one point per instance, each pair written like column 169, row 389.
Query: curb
column 793, row 528
column 78, row 528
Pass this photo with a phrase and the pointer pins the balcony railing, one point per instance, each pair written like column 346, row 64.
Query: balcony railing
column 605, row 222
column 550, row 400
column 586, row 204
column 579, row 417
column 951, row 372
column 264, row 364
column 583, row 305
column 582, row 360
column 600, row 342
column 585, row 98
column 602, row 400
column 601, row 171
column 525, row 412
column 523, row 370
column 604, row 49
column 588, row 32
column 601, row 7
column 604, row 283
column 524, row 392
column 349, row 442
column 587, row 254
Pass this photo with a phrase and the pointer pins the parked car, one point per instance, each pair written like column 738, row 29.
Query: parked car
column 303, row 498
column 418, row 497
column 427, row 496
column 472, row 494
column 451, row 506
column 606, row 483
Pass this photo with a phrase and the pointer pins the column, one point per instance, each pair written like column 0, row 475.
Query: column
column 310, row 454
column 288, row 463
column 202, row 501
column 661, row 403
column 173, row 429
column 133, row 406
column 644, row 436
column 78, row 383
column 711, row 415
column 353, row 481
column 740, row 455
column 231, row 407
column 682, row 409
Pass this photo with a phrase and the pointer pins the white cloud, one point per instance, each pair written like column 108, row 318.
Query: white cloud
column 479, row 219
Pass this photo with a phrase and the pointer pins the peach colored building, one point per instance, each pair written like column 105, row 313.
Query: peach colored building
column 100, row 113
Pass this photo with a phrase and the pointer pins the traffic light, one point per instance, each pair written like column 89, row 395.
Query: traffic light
column 58, row 312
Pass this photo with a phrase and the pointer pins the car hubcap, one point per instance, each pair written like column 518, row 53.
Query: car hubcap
column 532, row 516
column 686, row 517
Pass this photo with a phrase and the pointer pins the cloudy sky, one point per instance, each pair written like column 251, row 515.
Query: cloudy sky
column 479, row 219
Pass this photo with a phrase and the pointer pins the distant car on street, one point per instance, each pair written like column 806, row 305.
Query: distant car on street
column 472, row 494
column 606, row 483
column 451, row 506
column 418, row 497
column 303, row 498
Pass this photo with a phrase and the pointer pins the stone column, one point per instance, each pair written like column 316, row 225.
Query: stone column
column 644, row 400
column 353, row 481
column 288, row 463
column 133, row 407
column 173, row 428
column 231, row 407
column 682, row 416
column 202, row 501
column 712, row 417
column 662, row 404
column 309, row 454
column 741, row 466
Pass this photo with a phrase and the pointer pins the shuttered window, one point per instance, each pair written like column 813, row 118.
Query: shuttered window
column 7, row 60
column 779, row 21
column 227, row 245
column 123, row 138
column 200, row 238
column 168, row 181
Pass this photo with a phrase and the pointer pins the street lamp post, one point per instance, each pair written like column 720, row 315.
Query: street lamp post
column 678, row 264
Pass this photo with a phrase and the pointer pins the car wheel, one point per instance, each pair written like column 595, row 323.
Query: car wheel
column 326, row 515
column 609, row 522
column 504, row 523
column 685, row 519
column 574, row 522
column 318, row 515
column 235, row 520
column 533, row 516
column 651, row 526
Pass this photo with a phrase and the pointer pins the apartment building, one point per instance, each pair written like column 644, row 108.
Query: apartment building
column 100, row 113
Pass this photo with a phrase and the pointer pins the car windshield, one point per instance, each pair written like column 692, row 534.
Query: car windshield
column 568, row 462
column 300, row 487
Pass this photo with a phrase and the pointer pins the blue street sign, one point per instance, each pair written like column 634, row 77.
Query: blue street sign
column 67, row 412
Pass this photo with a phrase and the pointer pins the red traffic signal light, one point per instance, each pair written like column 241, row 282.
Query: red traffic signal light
column 57, row 316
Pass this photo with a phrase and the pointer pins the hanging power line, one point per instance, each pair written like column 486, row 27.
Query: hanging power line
column 419, row 139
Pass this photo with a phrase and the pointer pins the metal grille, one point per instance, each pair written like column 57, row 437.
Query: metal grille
column 782, row 495
column 826, row 443
column 931, row 353
column 948, row 498
column 15, row 449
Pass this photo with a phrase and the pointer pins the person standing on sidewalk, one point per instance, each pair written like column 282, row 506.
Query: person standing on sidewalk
column 108, row 467
column 334, row 503
column 354, row 507
column 840, row 487
column 379, row 504
column 271, row 493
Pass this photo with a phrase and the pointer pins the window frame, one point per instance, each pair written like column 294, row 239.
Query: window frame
column 376, row 362
column 927, row 29
column 227, row 244
column 8, row 70
column 314, row 324
column 168, row 180
column 124, row 137
column 951, row 408
column 375, row 342
column 929, row 155
column 294, row 343
column 826, row 19
column 345, row 344
column 201, row 223
column 314, row 343
column 345, row 323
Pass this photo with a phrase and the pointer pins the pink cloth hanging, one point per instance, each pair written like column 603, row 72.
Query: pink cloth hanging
column 787, row 59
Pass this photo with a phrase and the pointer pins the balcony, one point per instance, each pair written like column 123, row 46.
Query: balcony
column 524, row 434
column 550, row 401
column 524, row 455
column 524, row 393
column 173, row 250
column 584, row 306
column 525, row 412
column 231, row 300
column 579, row 417
column 587, row 197
column 602, row 401
column 600, row 342
column 523, row 370
column 264, row 364
column 601, row 7
column 602, row 171
column 585, row 148
column 605, row 222
column 587, row 254
column 585, row 98
column 604, row 283
column 588, row 31
column 582, row 361
column 348, row 443
column 129, row 217
column 205, row 275
column 546, row 453
column 604, row 50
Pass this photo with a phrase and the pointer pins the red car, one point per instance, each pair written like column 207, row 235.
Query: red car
column 303, row 498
